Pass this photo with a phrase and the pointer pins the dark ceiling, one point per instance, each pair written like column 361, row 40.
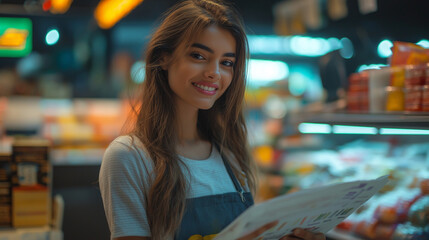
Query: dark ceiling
column 397, row 18
column 255, row 11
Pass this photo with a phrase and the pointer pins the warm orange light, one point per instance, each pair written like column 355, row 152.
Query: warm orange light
column 60, row 6
column 264, row 155
column 109, row 12
column 13, row 39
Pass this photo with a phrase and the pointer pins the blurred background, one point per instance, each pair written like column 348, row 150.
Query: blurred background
column 67, row 68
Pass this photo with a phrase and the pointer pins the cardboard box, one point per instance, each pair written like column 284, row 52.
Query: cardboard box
column 31, row 183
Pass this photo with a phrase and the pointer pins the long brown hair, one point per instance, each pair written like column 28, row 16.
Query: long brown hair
column 223, row 124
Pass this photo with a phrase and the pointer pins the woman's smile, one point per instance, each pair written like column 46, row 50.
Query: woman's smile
column 206, row 88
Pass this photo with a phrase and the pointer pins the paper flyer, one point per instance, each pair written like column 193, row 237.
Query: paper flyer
column 316, row 209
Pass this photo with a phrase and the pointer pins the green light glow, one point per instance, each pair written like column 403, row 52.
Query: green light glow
column 342, row 129
column 16, row 36
column 403, row 131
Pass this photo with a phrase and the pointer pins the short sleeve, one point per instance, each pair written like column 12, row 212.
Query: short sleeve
column 122, row 180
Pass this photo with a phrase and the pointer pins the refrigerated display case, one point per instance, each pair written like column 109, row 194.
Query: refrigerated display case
column 318, row 148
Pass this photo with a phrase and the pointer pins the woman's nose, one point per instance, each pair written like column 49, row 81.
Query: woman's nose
column 212, row 72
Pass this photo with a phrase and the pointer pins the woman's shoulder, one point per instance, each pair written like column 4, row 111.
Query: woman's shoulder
column 232, row 160
column 124, row 166
column 126, row 150
column 126, row 140
column 126, row 144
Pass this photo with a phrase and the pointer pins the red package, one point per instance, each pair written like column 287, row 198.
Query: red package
column 404, row 53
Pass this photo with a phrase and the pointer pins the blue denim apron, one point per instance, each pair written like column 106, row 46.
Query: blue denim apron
column 208, row 215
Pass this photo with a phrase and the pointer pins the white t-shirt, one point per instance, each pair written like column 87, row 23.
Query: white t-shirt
column 124, row 176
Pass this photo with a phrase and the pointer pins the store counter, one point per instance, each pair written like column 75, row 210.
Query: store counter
column 31, row 234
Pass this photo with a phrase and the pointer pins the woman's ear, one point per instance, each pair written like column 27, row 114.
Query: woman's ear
column 165, row 61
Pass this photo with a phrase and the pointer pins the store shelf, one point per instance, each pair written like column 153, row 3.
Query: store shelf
column 386, row 120
column 30, row 233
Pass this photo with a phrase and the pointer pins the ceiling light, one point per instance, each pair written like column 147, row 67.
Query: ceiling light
column 109, row 12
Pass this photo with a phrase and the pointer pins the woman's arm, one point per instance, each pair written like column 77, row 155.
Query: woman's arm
column 121, row 179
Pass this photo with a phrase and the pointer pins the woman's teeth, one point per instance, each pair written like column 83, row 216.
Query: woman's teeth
column 205, row 87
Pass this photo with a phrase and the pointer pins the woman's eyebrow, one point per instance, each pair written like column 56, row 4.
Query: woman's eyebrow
column 204, row 47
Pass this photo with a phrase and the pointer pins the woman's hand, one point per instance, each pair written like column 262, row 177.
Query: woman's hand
column 297, row 234
column 302, row 234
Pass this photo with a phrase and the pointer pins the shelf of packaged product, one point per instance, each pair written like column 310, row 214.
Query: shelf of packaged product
column 384, row 119
column 52, row 232
column 30, row 233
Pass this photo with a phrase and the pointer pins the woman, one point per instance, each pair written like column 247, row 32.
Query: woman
column 184, row 171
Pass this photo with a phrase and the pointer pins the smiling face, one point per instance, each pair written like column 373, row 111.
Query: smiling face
column 200, row 75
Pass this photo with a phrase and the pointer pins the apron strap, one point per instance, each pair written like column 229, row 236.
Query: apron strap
column 232, row 176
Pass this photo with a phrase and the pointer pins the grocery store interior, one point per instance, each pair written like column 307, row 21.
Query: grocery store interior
column 338, row 91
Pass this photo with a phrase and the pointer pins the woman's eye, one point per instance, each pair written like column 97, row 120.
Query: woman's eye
column 197, row 56
column 228, row 63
